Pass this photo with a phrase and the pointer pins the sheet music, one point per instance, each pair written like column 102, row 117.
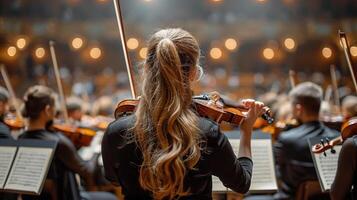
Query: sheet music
column 217, row 185
column 326, row 167
column 29, row 169
column 263, row 177
column 6, row 157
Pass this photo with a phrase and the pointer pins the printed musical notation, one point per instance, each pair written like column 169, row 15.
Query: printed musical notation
column 326, row 167
column 263, row 178
column 6, row 157
column 29, row 169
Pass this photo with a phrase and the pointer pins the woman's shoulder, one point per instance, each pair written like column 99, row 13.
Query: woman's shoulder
column 208, row 128
column 120, row 126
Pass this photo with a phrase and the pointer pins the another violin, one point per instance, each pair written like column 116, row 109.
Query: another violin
column 80, row 136
column 349, row 129
column 13, row 122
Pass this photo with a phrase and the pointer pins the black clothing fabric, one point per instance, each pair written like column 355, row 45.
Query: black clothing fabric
column 346, row 174
column 66, row 159
column 293, row 156
column 122, row 159
column 4, row 130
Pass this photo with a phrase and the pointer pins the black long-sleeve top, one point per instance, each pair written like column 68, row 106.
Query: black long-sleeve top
column 122, row 159
column 346, row 174
column 65, row 158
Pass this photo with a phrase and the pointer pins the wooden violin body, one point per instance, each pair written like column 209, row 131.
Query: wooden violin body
column 205, row 108
column 80, row 136
column 13, row 122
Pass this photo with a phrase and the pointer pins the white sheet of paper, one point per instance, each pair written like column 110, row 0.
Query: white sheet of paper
column 29, row 169
column 327, row 166
column 263, row 178
column 6, row 157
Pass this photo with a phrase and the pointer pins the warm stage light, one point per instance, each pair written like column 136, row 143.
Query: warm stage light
column 289, row 43
column 230, row 44
column 11, row 51
column 261, row 1
column 95, row 53
column 132, row 43
column 21, row 43
column 268, row 53
column 77, row 43
column 326, row 52
column 40, row 52
column 143, row 52
column 216, row 53
column 353, row 51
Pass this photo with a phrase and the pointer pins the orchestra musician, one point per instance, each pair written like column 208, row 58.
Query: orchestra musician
column 40, row 110
column 165, row 150
column 291, row 150
column 4, row 129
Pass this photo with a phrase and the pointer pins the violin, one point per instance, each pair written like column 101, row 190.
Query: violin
column 348, row 130
column 80, row 136
column 13, row 122
column 206, row 106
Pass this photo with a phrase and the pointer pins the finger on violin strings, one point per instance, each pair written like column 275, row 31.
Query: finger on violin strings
column 248, row 102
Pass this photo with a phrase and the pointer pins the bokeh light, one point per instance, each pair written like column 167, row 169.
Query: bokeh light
column 268, row 53
column 11, row 51
column 95, row 52
column 40, row 52
column 77, row 43
column 143, row 52
column 216, row 53
column 289, row 43
column 230, row 44
column 21, row 43
column 326, row 52
column 353, row 51
column 132, row 43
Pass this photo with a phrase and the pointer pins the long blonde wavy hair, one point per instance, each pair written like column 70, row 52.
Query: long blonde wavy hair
column 166, row 129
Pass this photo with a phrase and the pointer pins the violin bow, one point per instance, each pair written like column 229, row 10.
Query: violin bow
column 124, row 46
column 58, row 81
column 11, row 91
column 346, row 49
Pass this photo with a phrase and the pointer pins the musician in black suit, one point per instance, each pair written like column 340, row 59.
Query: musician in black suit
column 292, row 152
